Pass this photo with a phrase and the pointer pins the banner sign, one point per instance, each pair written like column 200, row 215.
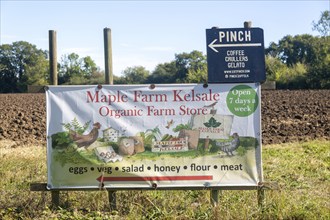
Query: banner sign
column 137, row 136
column 235, row 55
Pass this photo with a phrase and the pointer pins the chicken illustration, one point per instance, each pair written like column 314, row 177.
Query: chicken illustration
column 86, row 140
column 229, row 147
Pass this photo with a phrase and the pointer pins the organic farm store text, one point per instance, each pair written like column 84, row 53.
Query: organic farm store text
column 113, row 98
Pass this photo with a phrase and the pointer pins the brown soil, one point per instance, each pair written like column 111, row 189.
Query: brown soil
column 290, row 116
column 287, row 116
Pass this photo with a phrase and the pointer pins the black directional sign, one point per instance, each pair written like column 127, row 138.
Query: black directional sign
column 235, row 55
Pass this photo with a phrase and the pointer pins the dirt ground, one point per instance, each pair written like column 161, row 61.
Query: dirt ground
column 287, row 116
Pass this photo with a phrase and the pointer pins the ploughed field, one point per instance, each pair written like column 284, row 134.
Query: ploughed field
column 287, row 116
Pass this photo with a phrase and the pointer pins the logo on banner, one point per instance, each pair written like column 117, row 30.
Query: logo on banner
column 213, row 126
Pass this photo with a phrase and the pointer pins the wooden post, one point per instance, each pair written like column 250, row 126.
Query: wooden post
column 247, row 24
column 55, row 199
column 53, row 57
column 261, row 197
column 109, row 80
column 112, row 200
column 108, row 56
column 214, row 197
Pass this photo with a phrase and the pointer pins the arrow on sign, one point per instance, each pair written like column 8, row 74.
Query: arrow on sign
column 153, row 178
column 213, row 45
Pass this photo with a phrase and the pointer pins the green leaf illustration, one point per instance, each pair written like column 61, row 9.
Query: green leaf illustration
column 212, row 123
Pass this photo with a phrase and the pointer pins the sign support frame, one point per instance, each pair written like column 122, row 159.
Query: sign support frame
column 214, row 191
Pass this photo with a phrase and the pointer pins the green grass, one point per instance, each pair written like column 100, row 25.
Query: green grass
column 300, row 169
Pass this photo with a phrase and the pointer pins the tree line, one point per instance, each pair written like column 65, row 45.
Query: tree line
column 295, row 62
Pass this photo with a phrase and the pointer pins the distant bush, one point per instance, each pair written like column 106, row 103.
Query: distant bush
column 286, row 77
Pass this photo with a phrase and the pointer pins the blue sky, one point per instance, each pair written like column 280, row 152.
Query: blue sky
column 148, row 33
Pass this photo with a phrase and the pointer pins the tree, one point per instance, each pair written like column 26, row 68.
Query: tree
column 135, row 75
column 38, row 74
column 197, row 75
column 292, row 50
column 323, row 25
column 98, row 77
column 163, row 73
column 286, row 77
column 75, row 70
column 194, row 62
column 89, row 68
column 319, row 75
column 274, row 68
column 319, row 70
column 70, row 67
column 307, row 58
column 21, row 63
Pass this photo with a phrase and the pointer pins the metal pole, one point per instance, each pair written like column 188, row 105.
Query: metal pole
column 53, row 57
column 108, row 56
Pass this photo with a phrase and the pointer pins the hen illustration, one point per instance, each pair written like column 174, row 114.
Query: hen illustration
column 229, row 147
column 86, row 140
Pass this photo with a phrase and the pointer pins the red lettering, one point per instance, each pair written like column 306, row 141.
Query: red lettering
column 91, row 98
column 177, row 97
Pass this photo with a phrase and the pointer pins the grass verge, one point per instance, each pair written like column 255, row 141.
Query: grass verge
column 301, row 170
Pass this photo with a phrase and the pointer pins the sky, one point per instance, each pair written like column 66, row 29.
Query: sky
column 148, row 33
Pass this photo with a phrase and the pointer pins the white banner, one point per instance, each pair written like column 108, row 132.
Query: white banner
column 135, row 136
